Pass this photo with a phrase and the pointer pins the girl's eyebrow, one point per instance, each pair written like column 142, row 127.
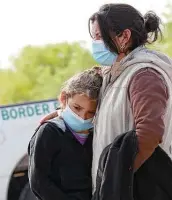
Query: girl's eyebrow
column 91, row 111
column 77, row 105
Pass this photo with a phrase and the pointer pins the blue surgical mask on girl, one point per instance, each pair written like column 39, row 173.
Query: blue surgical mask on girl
column 75, row 122
column 101, row 54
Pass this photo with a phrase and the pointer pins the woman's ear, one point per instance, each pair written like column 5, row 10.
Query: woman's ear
column 125, row 41
column 63, row 99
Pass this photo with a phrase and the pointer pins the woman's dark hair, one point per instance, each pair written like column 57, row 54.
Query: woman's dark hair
column 115, row 18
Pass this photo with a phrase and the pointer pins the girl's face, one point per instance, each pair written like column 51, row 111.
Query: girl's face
column 82, row 106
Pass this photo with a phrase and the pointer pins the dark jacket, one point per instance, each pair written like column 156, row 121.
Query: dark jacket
column 117, row 181
column 59, row 166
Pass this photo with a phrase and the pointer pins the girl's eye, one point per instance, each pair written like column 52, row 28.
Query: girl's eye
column 92, row 113
column 77, row 108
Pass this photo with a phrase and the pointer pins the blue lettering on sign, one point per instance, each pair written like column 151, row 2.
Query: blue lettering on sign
column 22, row 112
column 45, row 108
column 37, row 109
column 28, row 111
column 13, row 113
column 56, row 105
column 4, row 114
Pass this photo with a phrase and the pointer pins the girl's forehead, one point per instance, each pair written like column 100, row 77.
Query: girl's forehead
column 80, row 98
column 83, row 101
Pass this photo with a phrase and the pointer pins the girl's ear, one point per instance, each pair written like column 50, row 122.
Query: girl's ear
column 63, row 99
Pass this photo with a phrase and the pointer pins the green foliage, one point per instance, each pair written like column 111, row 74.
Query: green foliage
column 165, row 44
column 39, row 71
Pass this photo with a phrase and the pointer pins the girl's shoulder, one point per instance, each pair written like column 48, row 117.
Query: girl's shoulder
column 58, row 122
column 47, row 134
column 51, row 128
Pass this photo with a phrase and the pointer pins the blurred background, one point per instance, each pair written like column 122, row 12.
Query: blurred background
column 44, row 42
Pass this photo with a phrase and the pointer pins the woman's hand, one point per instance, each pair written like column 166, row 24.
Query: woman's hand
column 102, row 70
column 49, row 116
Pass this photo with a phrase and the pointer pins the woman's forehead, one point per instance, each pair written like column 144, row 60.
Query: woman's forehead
column 95, row 27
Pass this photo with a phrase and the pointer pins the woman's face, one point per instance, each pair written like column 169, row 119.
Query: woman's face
column 82, row 106
column 121, row 41
column 95, row 31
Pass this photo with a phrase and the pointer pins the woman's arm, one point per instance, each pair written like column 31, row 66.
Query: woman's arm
column 148, row 96
column 49, row 116
column 41, row 153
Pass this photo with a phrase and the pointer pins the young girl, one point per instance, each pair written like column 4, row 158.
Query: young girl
column 60, row 152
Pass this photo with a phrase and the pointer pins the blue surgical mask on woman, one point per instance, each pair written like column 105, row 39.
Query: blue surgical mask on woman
column 101, row 54
column 75, row 122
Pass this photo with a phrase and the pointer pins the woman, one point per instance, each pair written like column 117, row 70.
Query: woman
column 60, row 152
column 136, row 91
